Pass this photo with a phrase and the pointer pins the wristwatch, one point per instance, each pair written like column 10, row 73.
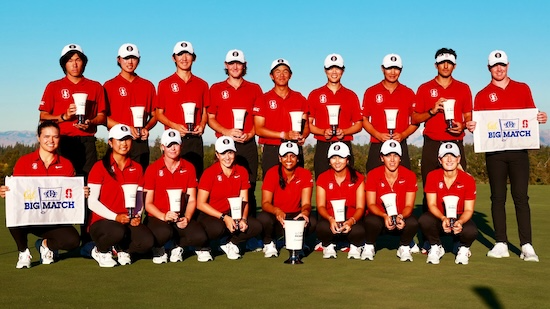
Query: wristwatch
column 222, row 217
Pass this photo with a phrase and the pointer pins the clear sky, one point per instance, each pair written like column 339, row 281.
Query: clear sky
column 304, row 32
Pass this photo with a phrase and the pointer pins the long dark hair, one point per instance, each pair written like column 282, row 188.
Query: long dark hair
column 106, row 160
column 352, row 173
column 282, row 182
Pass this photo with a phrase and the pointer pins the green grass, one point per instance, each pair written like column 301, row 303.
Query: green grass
column 257, row 282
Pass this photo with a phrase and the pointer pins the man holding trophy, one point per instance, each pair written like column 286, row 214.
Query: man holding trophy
column 131, row 101
column 334, row 113
column 182, row 102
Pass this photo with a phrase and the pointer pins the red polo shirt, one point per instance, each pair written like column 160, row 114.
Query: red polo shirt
column 123, row 94
column 173, row 91
column 222, row 187
column 58, row 96
column 516, row 95
column 350, row 110
column 158, row 178
column 344, row 191
column 464, row 187
column 112, row 195
column 31, row 165
column 224, row 98
column 406, row 182
column 426, row 96
column 289, row 199
column 377, row 98
column 275, row 111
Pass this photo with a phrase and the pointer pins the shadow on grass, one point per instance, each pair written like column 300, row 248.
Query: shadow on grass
column 488, row 296
column 482, row 222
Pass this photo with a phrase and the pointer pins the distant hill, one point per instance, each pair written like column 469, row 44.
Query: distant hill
column 10, row 138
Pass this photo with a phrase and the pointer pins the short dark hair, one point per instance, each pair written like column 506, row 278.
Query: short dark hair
column 444, row 50
column 46, row 124
column 65, row 58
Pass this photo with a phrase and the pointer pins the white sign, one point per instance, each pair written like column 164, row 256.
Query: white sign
column 44, row 201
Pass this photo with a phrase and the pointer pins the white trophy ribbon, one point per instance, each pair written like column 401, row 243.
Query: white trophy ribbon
column 333, row 112
column 238, row 118
column 80, row 102
column 339, row 208
column 130, row 193
column 296, row 121
column 451, row 202
column 236, row 206
column 390, row 203
column 189, row 114
column 137, row 115
column 449, row 111
column 294, row 234
column 174, row 197
column 391, row 119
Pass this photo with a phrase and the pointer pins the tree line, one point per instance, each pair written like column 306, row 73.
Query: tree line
column 539, row 159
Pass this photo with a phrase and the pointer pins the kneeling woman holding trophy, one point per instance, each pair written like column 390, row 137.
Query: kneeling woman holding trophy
column 171, row 200
column 286, row 195
column 223, row 200
column 116, row 202
column 391, row 192
column 340, row 203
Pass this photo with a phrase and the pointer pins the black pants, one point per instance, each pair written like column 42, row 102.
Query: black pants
column 272, row 228
column 192, row 235
column 320, row 160
column 512, row 164
column 60, row 237
column 140, row 152
column 130, row 239
column 373, row 160
column 432, row 229
column 270, row 157
column 81, row 151
column 374, row 226
column 192, row 151
column 216, row 229
column 356, row 235
column 247, row 156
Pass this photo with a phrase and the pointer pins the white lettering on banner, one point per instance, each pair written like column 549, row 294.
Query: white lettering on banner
column 44, row 201
column 510, row 129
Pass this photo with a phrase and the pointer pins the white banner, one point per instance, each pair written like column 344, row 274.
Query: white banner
column 44, row 201
column 507, row 129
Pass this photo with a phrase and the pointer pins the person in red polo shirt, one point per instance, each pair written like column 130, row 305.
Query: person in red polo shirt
column 505, row 93
column 441, row 183
column 349, row 115
column 222, row 180
column 272, row 119
column 184, row 87
column 43, row 162
column 110, row 224
column 286, row 195
column 171, row 172
column 127, row 94
column 340, row 182
column 229, row 98
column 391, row 177
column 389, row 94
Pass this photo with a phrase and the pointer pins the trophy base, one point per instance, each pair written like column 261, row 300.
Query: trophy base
column 294, row 258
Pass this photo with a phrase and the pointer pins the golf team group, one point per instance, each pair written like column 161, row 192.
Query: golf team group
column 352, row 209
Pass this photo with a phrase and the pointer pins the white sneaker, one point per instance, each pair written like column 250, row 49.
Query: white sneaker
column 528, row 253
column 329, row 252
column 204, row 256
column 231, row 250
column 176, row 254
column 124, row 258
column 46, row 255
column 159, row 255
column 368, row 252
column 354, row 252
column 103, row 259
column 24, row 259
column 270, row 250
column 414, row 248
column 500, row 250
column 435, row 254
column 404, row 253
column 463, row 255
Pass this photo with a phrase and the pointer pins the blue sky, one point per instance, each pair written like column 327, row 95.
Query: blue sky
column 304, row 32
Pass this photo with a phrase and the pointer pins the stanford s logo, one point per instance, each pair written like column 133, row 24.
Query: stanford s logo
column 69, row 193
column 65, row 93
column 122, row 91
column 175, row 87
column 493, row 97
column 433, row 93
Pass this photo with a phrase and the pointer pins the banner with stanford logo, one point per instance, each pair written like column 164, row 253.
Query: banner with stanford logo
column 44, row 201
column 509, row 129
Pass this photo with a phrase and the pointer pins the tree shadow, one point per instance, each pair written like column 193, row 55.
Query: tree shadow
column 488, row 296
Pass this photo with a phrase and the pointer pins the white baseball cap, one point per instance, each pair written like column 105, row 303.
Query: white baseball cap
column 448, row 148
column 333, row 60
column 391, row 146
column 278, row 62
column 127, row 50
column 287, row 147
column 235, row 55
column 497, row 57
column 224, row 143
column 445, row 57
column 392, row 61
column 338, row 149
column 170, row 136
column 69, row 48
column 120, row 132
column 184, row 46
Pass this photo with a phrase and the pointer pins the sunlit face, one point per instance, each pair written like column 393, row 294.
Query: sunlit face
column 227, row 158
column 121, row 147
column 449, row 162
column 391, row 75
column 184, row 61
column 128, row 64
column 234, row 69
column 172, row 151
column 391, row 161
column 75, row 66
column 281, row 75
column 499, row 72
column 289, row 161
column 338, row 163
column 445, row 69
column 334, row 74
column 49, row 139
